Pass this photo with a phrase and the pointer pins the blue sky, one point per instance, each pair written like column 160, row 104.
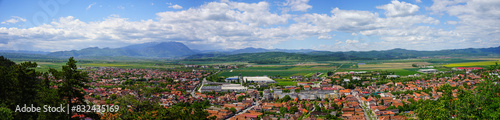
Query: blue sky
column 331, row 25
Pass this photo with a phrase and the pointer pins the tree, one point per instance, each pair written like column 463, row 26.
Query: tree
column 113, row 96
column 293, row 109
column 283, row 110
column 19, row 86
column 286, row 98
column 329, row 73
column 414, row 65
column 73, row 81
column 233, row 110
column 6, row 113
column 240, row 98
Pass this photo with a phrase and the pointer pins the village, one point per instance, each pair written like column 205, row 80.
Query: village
column 369, row 97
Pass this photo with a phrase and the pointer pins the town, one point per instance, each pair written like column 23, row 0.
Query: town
column 363, row 95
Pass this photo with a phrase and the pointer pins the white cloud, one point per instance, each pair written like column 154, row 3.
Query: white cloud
column 215, row 24
column 324, row 37
column 90, row 6
column 14, row 20
column 397, row 9
column 338, row 42
column 478, row 19
column 234, row 25
column 175, row 6
column 298, row 5
column 452, row 22
column 418, row 1
column 351, row 41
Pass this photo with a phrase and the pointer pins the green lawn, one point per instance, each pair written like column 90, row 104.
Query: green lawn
column 286, row 82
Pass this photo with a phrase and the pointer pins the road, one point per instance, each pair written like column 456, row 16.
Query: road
column 245, row 110
column 202, row 83
column 327, row 73
column 366, row 110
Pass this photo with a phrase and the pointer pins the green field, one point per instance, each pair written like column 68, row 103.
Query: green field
column 268, row 68
column 45, row 66
column 472, row 64
column 281, row 73
column 212, row 63
column 404, row 72
column 286, row 82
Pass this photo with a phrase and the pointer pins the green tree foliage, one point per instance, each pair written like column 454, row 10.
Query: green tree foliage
column 293, row 109
column 481, row 103
column 286, row 98
column 283, row 110
column 6, row 113
column 73, row 82
column 145, row 109
column 286, row 91
column 240, row 98
column 233, row 110
column 21, row 86
column 329, row 73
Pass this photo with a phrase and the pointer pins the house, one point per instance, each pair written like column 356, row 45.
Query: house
column 428, row 70
column 392, row 76
column 384, row 113
column 307, row 87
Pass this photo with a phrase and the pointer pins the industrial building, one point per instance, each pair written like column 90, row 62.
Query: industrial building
column 232, row 79
column 258, row 79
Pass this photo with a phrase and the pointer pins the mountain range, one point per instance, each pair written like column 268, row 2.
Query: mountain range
column 146, row 50
column 176, row 50
column 159, row 50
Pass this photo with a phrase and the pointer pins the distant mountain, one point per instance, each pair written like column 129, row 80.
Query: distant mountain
column 279, row 57
column 24, row 52
column 260, row 50
column 176, row 50
column 147, row 50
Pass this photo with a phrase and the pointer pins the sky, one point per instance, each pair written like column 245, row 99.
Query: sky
column 329, row 25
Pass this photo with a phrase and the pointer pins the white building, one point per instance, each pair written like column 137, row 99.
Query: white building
column 258, row 79
column 427, row 70
column 233, row 87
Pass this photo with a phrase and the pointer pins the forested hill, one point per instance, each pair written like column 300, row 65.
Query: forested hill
column 146, row 50
column 278, row 57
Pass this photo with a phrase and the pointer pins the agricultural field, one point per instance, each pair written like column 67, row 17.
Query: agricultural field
column 268, row 68
column 472, row 64
column 281, row 73
column 45, row 66
column 384, row 66
column 212, row 63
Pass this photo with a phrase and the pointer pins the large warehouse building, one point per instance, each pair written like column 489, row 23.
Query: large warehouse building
column 258, row 79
